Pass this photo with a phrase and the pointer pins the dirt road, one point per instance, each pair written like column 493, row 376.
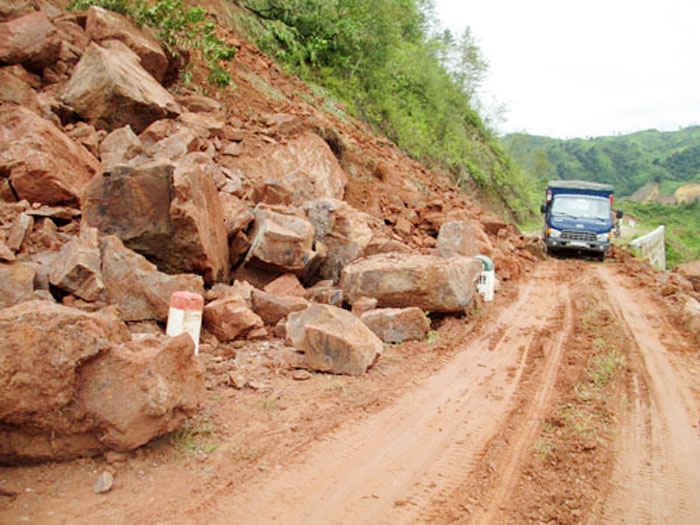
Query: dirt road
column 574, row 401
column 417, row 460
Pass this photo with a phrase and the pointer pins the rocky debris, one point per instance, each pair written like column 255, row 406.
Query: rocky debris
column 178, row 142
column 136, row 286
column 6, row 254
column 14, row 89
column 272, row 308
column 104, row 483
column 76, row 269
column 134, row 205
column 237, row 213
column 42, row 349
column 141, row 390
column 170, row 214
column 344, row 231
column 396, row 280
column 325, row 292
column 16, row 282
column 14, row 8
column 690, row 271
column 363, row 304
column 199, row 103
column 302, row 169
column 380, row 244
column 333, row 340
column 31, row 40
column 102, row 25
column 121, row 146
column 110, row 89
column 396, row 325
column 286, row 285
column 281, row 240
column 229, row 318
column 690, row 315
column 57, row 170
column 301, row 375
column 457, row 238
column 199, row 242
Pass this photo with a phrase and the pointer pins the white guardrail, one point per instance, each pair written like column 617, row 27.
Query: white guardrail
column 653, row 247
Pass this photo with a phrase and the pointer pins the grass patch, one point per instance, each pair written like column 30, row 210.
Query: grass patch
column 194, row 437
column 433, row 337
column 544, row 448
column 604, row 367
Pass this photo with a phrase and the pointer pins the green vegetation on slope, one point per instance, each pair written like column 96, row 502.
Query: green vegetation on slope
column 178, row 27
column 391, row 66
column 626, row 161
column 682, row 223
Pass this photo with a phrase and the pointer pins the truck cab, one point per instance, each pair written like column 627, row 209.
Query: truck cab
column 578, row 216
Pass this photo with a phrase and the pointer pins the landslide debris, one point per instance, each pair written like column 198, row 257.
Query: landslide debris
column 116, row 191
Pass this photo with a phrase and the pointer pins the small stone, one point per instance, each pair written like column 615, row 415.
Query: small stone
column 301, row 375
column 104, row 483
column 237, row 381
column 113, row 457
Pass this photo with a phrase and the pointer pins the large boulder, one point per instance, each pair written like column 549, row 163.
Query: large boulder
column 301, row 169
column 15, row 89
column 136, row 286
column 333, row 340
column 16, row 282
column 344, row 230
column 142, row 390
column 396, row 325
column 76, row 269
column 281, row 240
column 102, row 25
column 31, row 40
column 134, row 205
column 72, row 383
column 169, row 213
column 398, row 280
column 457, row 238
column 57, row 170
column 111, row 89
column 200, row 241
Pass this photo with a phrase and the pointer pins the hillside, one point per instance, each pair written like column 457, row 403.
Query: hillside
column 349, row 368
column 670, row 159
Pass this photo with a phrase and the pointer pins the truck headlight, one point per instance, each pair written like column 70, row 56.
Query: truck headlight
column 553, row 233
column 603, row 236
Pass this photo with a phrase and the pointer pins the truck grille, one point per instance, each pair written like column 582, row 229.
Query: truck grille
column 578, row 236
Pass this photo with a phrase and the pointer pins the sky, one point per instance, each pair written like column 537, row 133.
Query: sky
column 585, row 68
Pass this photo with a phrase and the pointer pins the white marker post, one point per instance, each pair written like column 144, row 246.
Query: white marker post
column 185, row 316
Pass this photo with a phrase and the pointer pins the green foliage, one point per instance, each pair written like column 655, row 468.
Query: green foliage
column 682, row 223
column 392, row 68
column 177, row 27
column 627, row 161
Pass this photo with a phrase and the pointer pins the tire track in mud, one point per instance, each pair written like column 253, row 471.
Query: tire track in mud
column 657, row 474
column 390, row 467
column 527, row 433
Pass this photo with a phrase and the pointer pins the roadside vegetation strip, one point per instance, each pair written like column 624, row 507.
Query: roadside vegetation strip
column 566, row 476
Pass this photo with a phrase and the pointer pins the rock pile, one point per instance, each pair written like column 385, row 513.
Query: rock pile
column 114, row 193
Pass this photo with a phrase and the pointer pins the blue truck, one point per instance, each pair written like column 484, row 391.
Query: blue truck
column 578, row 215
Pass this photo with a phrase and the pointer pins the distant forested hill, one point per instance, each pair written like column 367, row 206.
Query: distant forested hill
column 669, row 158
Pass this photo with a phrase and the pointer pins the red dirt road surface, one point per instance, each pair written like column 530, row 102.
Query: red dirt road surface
column 570, row 399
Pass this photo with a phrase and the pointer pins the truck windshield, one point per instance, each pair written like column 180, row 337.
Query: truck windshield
column 581, row 207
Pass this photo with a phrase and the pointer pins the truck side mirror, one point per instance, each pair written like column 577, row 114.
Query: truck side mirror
column 619, row 214
column 543, row 208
